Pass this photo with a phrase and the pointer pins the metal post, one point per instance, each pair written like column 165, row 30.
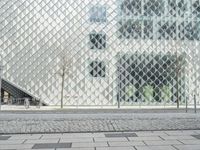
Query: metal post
column 118, row 102
column 40, row 103
column 118, row 82
column 0, row 83
column 186, row 106
column 195, row 104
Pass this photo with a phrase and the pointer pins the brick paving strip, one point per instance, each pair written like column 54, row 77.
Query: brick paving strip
column 139, row 140
column 31, row 122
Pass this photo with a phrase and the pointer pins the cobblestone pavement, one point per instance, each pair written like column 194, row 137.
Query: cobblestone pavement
column 145, row 140
column 100, row 122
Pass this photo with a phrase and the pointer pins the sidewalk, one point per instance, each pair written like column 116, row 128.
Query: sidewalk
column 101, row 121
column 149, row 140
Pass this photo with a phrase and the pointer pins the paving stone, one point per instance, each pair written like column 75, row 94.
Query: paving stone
column 115, row 148
column 196, row 136
column 181, row 132
column 94, row 144
column 51, row 136
column 155, row 148
column 196, row 132
column 121, row 135
column 145, row 138
column 72, row 140
column 189, row 132
column 16, row 146
column 151, row 133
column 158, row 132
column 188, row 137
column 71, row 135
column 4, row 137
column 12, row 141
column 188, row 142
column 27, row 136
column 51, row 145
column 166, row 142
column 111, row 139
column 98, row 135
column 129, row 143
column 187, row 147
column 75, row 148
column 39, row 149
column 42, row 141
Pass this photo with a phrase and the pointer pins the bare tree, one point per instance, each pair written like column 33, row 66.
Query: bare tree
column 64, row 70
column 179, row 67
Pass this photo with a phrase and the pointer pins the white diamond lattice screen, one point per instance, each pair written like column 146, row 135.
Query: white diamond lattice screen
column 140, row 52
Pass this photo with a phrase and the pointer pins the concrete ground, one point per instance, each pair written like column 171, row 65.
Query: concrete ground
column 143, row 140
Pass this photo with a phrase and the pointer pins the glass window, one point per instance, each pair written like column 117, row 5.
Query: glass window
column 167, row 30
column 131, row 7
column 172, row 7
column 178, row 7
column 148, row 77
column 189, row 30
column 98, row 14
column 97, row 69
column 148, row 29
column 182, row 7
column 97, row 40
column 196, row 8
column 153, row 7
column 130, row 29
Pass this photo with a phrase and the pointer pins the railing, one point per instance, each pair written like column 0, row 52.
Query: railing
column 27, row 102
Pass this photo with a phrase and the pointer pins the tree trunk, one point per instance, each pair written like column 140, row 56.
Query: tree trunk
column 62, row 90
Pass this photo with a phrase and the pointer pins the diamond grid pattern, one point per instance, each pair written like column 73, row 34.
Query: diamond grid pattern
column 153, row 7
column 97, row 40
column 178, row 7
column 98, row 14
column 196, row 8
column 97, row 69
column 145, row 42
column 131, row 7
column 149, row 78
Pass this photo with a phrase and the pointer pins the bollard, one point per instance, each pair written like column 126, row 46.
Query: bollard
column 26, row 103
column 195, row 104
column 40, row 104
column 0, row 85
column 118, row 101
column 37, row 102
column 186, row 107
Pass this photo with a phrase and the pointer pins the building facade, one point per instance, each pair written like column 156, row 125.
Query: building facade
column 137, row 52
